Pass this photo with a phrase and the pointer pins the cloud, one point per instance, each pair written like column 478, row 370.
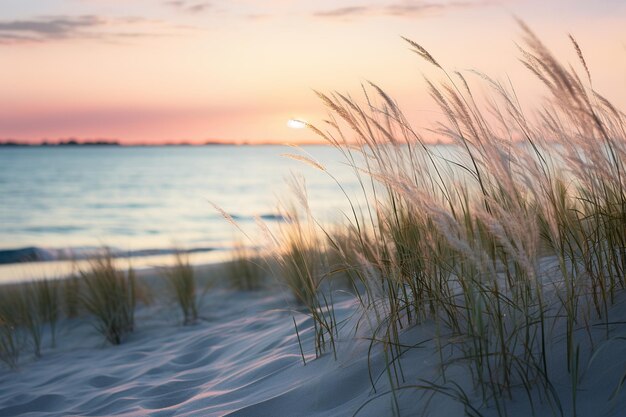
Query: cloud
column 55, row 28
column 58, row 27
column 189, row 6
column 344, row 12
column 404, row 9
column 258, row 16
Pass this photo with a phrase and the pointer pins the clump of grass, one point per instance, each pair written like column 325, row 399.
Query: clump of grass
column 297, row 257
column 24, row 311
column 21, row 316
column 301, row 264
column 244, row 269
column 11, row 337
column 342, row 257
column 47, row 302
column 29, row 316
column 71, row 296
column 301, row 260
column 182, row 284
column 456, row 236
column 110, row 297
column 10, row 345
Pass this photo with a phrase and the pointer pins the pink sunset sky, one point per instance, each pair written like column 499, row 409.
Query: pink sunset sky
column 155, row 71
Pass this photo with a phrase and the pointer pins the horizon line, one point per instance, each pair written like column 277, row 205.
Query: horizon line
column 121, row 143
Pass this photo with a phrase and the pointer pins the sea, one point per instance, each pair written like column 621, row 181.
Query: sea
column 60, row 204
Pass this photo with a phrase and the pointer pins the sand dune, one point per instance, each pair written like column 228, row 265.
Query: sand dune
column 243, row 359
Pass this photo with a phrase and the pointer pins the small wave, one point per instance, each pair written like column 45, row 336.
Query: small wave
column 266, row 216
column 53, row 229
column 273, row 217
column 38, row 254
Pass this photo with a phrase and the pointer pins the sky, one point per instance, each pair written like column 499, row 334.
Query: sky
column 169, row 71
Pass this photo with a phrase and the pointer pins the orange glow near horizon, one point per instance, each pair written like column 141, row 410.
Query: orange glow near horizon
column 238, row 71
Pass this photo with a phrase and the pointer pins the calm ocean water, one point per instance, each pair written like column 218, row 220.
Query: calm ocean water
column 62, row 202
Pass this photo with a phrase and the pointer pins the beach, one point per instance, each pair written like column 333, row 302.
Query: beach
column 243, row 358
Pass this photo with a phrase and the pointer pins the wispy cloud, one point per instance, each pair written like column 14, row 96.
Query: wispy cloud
column 55, row 28
column 345, row 12
column 404, row 9
column 258, row 16
column 189, row 6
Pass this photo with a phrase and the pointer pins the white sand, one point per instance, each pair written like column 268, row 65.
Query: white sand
column 243, row 359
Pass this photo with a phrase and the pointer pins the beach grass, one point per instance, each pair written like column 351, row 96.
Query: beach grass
column 110, row 296
column 457, row 238
column 25, row 311
column 245, row 268
column 71, row 289
column 298, row 259
column 11, row 336
column 47, row 300
column 10, row 345
column 182, row 286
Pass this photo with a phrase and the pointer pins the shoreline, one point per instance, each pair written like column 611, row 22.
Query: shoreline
column 15, row 273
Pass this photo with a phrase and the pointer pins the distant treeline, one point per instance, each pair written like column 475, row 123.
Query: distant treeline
column 103, row 142
column 68, row 142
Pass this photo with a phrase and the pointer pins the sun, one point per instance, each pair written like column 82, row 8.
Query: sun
column 296, row 124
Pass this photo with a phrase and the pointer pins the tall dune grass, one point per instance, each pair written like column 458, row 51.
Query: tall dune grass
column 303, row 268
column 110, row 296
column 71, row 296
column 245, row 269
column 297, row 257
column 182, row 284
column 457, row 238
column 24, row 313
column 28, row 315
column 11, row 334
column 10, row 344
column 47, row 301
